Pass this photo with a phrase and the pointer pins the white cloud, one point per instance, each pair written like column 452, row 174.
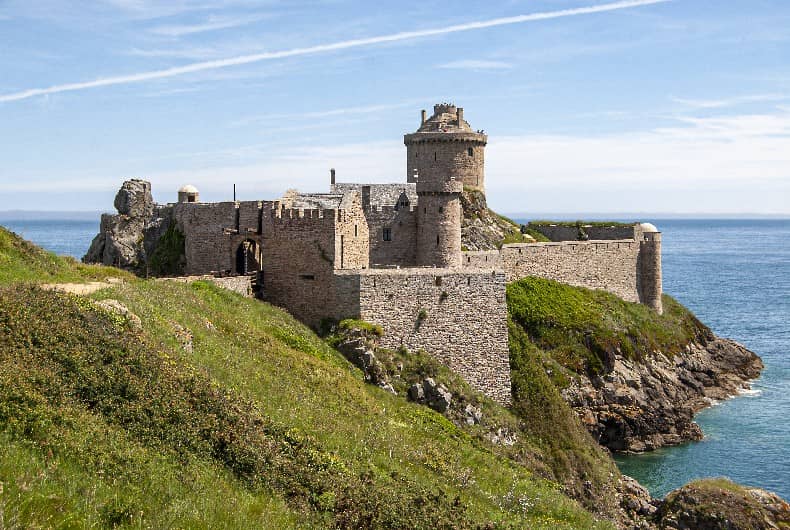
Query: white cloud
column 733, row 164
column 730, row 102
column 192, row 52
column 212, row 24
column 479, row 64
column 346, row 111
column 322, row 48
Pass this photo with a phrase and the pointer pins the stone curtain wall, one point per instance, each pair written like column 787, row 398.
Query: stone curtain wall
column 250, row 217
column 401, row 250
column 571, row 233
column 481, row 259
column 207, row 247
column 237, row 284
column 609, row 265
column 463, row 322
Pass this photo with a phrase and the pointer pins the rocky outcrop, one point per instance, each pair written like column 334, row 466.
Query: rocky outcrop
column 134, row 199
column 128, row 239
column 641, row 406
column 718, row 504
column 482, row 229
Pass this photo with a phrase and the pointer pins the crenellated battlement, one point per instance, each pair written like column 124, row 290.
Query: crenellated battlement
column 279, row 212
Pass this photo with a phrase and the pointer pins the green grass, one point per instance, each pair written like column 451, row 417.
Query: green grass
column 582, row 330
column 261, row 424
column 21, row 260
column 537, row 236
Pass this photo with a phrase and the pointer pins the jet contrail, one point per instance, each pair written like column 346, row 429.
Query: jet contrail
column 320, row 48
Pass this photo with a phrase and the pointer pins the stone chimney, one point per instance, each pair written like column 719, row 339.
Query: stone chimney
column 460, row 113
column 423, row 114
column 332, row 176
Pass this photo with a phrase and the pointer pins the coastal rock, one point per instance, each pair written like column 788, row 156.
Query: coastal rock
column 641, row 406
column 128, row 238
column 718, row 504
column 118, row 242
column 134, row 199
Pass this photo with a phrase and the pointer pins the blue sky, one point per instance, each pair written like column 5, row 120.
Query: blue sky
column 591, row 106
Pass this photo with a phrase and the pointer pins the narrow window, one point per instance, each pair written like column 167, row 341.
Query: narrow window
column 438, row 281
column 468, row 281
column 441, row 209
column 470, row 152
column 387, row 234
column 437, row 241
column 307, row 276
column 434, row 155
column 355, row 231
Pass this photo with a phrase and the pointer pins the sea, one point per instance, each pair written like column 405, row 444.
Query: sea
column 735, row 275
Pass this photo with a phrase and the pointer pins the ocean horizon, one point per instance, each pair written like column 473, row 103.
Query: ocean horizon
column 733, row 273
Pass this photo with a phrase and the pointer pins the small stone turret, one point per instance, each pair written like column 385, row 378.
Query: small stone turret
column 650, row 283
column 188, row 193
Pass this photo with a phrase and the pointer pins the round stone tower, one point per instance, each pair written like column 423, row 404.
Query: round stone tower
column 445, row 144
column 650, row 281
column 443, row 156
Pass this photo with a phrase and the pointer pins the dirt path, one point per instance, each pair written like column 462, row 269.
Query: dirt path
column 81, row 288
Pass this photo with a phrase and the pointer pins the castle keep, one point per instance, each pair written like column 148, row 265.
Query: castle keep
column 390, row 254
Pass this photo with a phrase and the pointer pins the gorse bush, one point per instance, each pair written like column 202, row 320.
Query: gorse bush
column 57, row 356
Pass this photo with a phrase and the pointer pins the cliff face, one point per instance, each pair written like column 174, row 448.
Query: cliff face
column 132, row 239
column 635, row 378
column 641, row 406
column 482, row 229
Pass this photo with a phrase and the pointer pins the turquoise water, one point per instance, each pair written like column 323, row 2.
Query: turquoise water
column 735, row 275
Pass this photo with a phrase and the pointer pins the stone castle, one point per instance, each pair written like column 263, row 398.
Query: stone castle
column 390, row 254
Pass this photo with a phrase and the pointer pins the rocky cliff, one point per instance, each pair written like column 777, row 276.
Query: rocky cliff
column 139, row 236
column 635, row 378
column 483, row 229
column 643, row 405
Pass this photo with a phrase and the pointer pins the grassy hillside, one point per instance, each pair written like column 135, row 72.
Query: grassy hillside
column 224, row 412
column 21, row 260
column 582, row 330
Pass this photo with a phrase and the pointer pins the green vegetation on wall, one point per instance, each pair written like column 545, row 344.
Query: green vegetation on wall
column 168, row 258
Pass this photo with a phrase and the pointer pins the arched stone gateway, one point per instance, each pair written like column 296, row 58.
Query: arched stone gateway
column 248, row 257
